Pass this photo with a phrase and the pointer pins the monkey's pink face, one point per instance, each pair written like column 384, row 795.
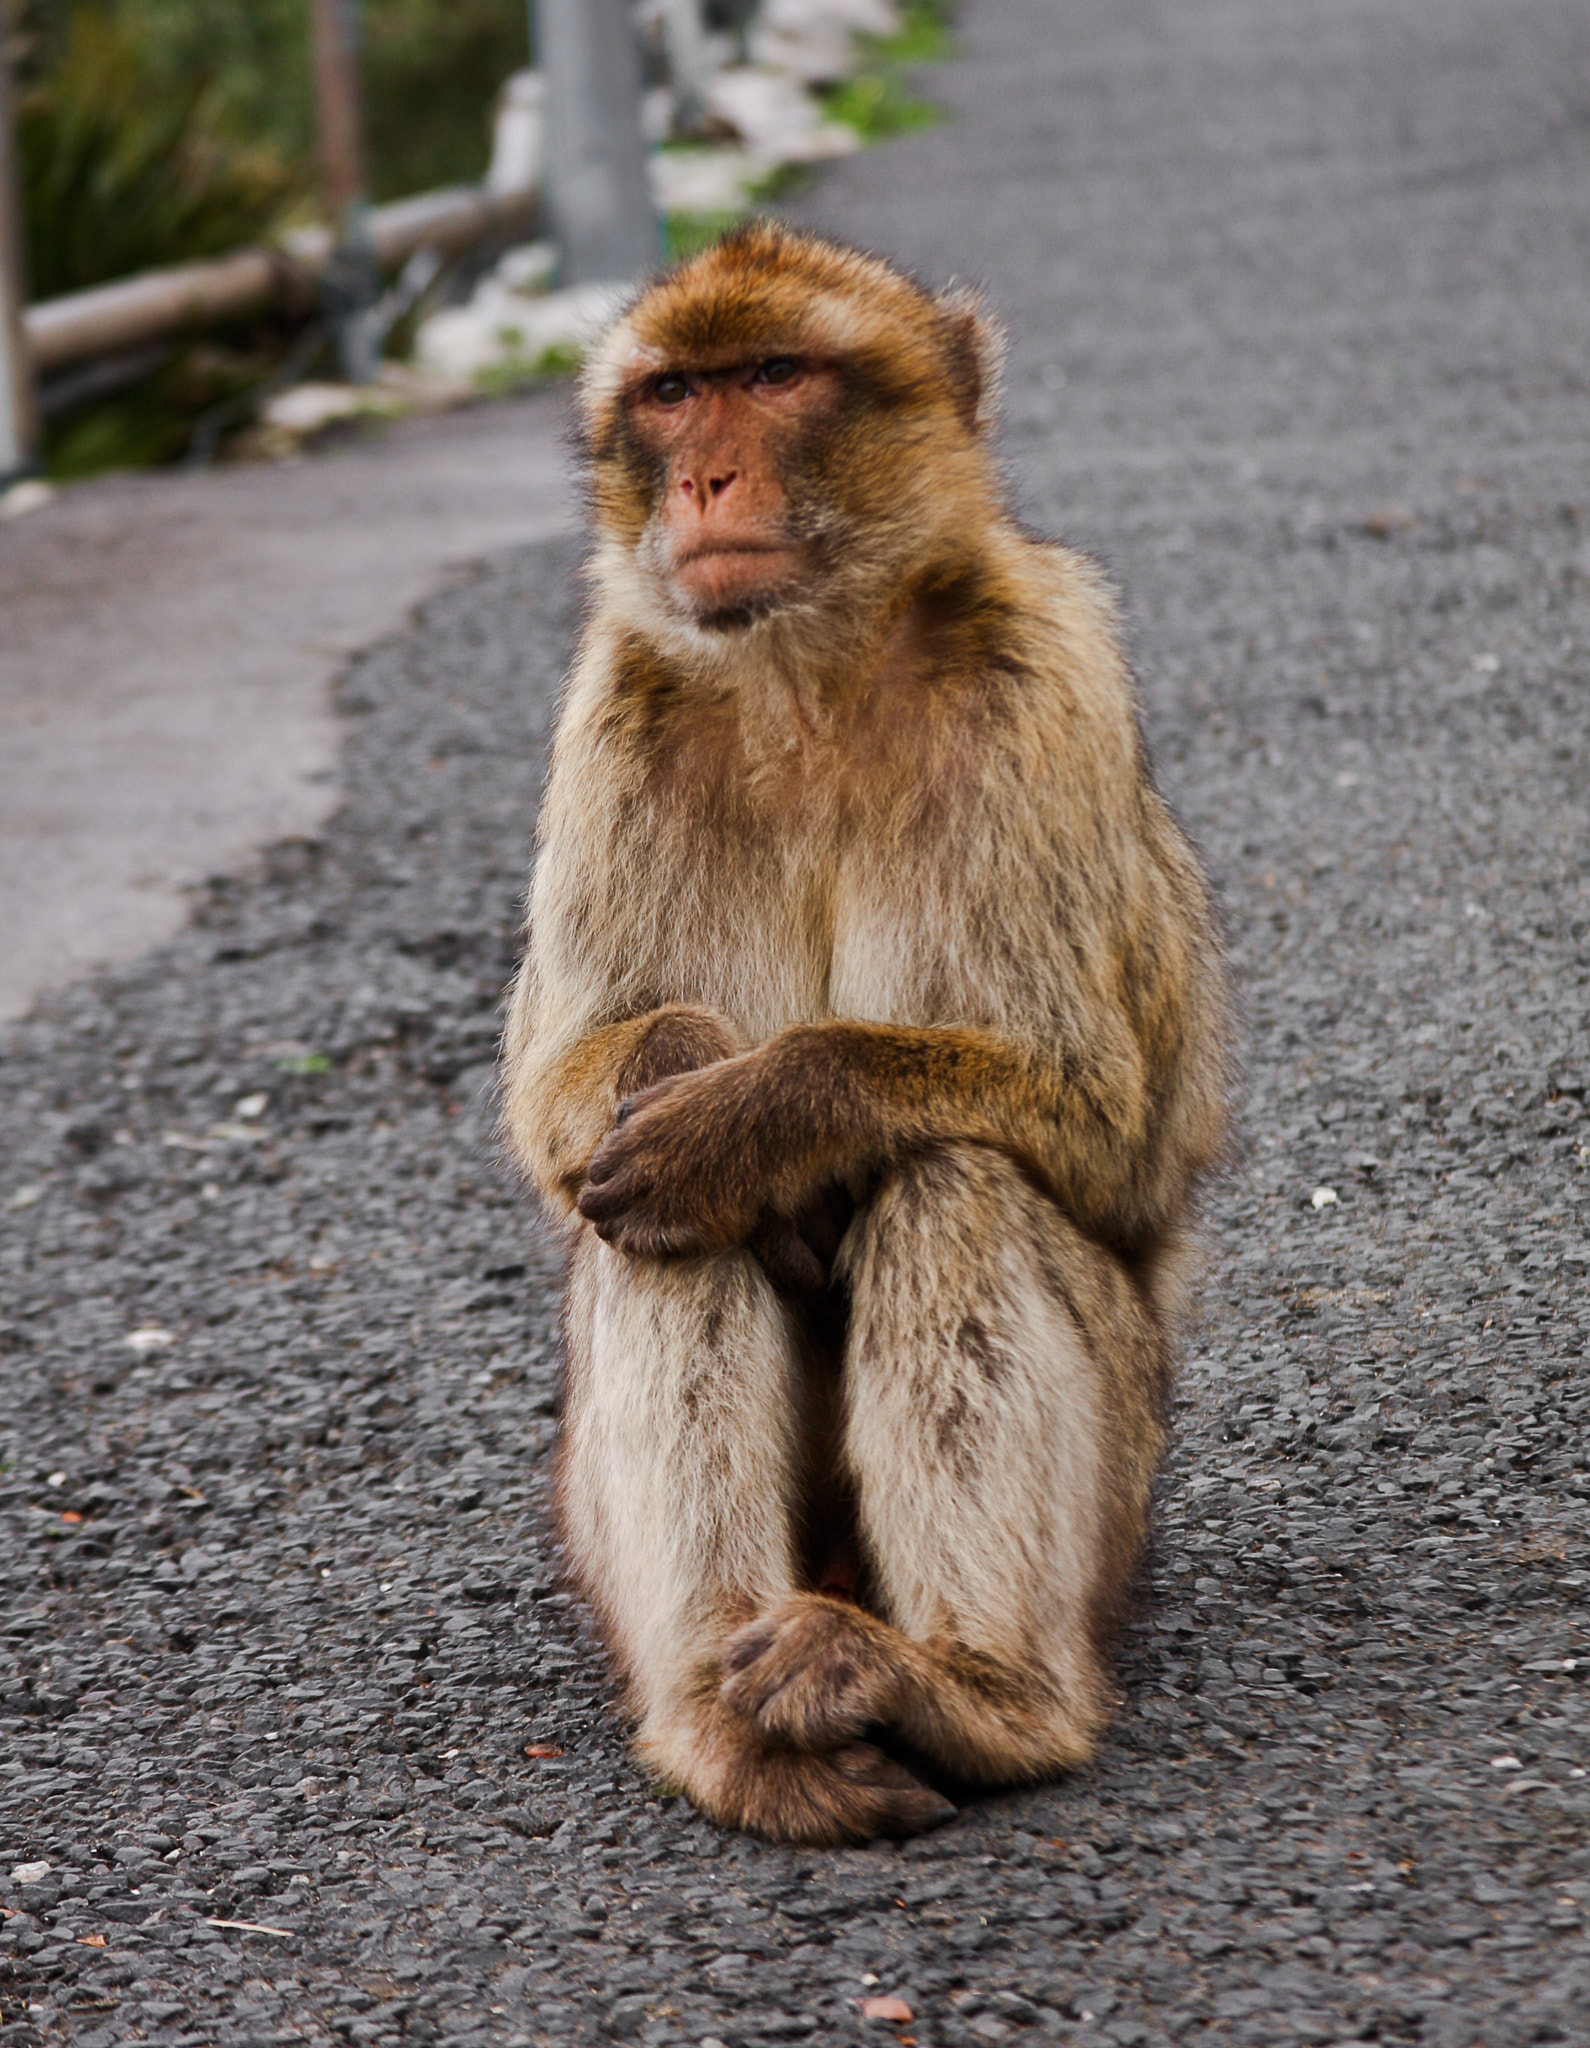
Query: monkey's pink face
column 724, row 441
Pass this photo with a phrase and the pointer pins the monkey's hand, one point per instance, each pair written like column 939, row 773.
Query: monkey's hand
column 797, row 1252
column 688, row 1166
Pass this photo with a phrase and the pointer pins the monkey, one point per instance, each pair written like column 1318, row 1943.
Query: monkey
column 869, row 1046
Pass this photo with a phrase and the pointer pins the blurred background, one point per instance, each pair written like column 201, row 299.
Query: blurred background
column 147, row 134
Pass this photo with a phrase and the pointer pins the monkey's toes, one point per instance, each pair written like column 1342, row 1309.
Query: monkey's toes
column 813, row 1673
column 893, row 1801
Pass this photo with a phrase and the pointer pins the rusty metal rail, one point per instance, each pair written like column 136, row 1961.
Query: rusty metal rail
column 162, row 303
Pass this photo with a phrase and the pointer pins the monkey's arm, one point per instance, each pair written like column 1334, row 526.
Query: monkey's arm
column 696, row 1160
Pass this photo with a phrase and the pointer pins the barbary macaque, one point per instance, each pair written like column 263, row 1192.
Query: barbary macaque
column 870, row 1042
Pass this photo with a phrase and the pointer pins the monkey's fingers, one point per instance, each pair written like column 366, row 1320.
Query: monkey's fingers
column 642, row 1235
column 617, row 1187
column 787, row 1259
column 607, row 1162
column 610, row 1198
column 897, row 1803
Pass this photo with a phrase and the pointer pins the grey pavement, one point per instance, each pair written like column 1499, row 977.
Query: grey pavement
column 1298, row 296
column 167, row 648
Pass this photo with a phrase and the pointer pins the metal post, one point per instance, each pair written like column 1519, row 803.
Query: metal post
column 689, row 62
column 340, row 131
column 19, row 419
column 598, row 199
column 351, row 287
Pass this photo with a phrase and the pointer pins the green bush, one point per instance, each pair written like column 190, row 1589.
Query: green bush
column 152, row 131
column 877, row 102
column 433, row 70
column 120, row 173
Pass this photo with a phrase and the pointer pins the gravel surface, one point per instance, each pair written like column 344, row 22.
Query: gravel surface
column 1299, row 296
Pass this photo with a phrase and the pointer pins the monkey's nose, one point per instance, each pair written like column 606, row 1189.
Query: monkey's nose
column 708, row 488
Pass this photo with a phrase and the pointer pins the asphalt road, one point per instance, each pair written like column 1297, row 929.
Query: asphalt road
column 1299, row 296
column 167, row 647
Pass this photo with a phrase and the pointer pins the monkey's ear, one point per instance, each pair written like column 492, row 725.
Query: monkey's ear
column 975, row 355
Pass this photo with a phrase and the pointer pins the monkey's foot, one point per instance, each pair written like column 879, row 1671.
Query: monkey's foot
column 813, row 1673
column 853, row 1794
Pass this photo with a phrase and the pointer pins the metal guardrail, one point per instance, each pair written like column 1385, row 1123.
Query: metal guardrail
column 159, row 304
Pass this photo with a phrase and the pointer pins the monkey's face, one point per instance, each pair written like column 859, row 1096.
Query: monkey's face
column 727, row 446
column 783, row 424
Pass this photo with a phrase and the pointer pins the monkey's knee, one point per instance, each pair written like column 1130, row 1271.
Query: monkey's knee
column 957, row 1203
column 948, row 1278
column 658, row 1314
column 961, row 1239
column 679, row 1040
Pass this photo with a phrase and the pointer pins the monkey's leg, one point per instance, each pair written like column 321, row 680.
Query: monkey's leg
column 1004, row 1388
column 680, row 1472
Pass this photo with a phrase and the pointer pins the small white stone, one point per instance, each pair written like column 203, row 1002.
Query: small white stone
column 529, row 268
column 29, row 496
column 56, row 1479
column 24, row 1198
column 248, row 1107
column 1505, row 1763
column 150, row 1338
column 30, row 1873
column 306, row 408
column 1324, row 1198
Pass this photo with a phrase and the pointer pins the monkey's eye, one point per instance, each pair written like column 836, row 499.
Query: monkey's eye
column 780, row 370
column 671, row 389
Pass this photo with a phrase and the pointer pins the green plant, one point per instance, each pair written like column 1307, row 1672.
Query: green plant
column 877, row 102
column 432, row 73
column 687, row 234
column 784, row 181
column 923, row 36
column 151, row 422
column 877, row 105
column 120, row 174
column 523, row 373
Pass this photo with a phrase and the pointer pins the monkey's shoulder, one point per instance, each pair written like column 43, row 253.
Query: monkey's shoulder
column 1044, row 685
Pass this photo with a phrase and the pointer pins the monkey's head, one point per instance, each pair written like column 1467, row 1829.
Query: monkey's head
column 781, row 423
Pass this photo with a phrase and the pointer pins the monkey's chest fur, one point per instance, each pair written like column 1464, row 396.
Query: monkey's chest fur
column 790, row 879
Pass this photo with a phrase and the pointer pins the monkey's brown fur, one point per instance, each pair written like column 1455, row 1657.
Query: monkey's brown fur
column 854, row 890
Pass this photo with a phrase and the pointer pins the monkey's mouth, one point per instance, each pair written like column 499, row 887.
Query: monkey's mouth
column 729, row 580
column 731, row 552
